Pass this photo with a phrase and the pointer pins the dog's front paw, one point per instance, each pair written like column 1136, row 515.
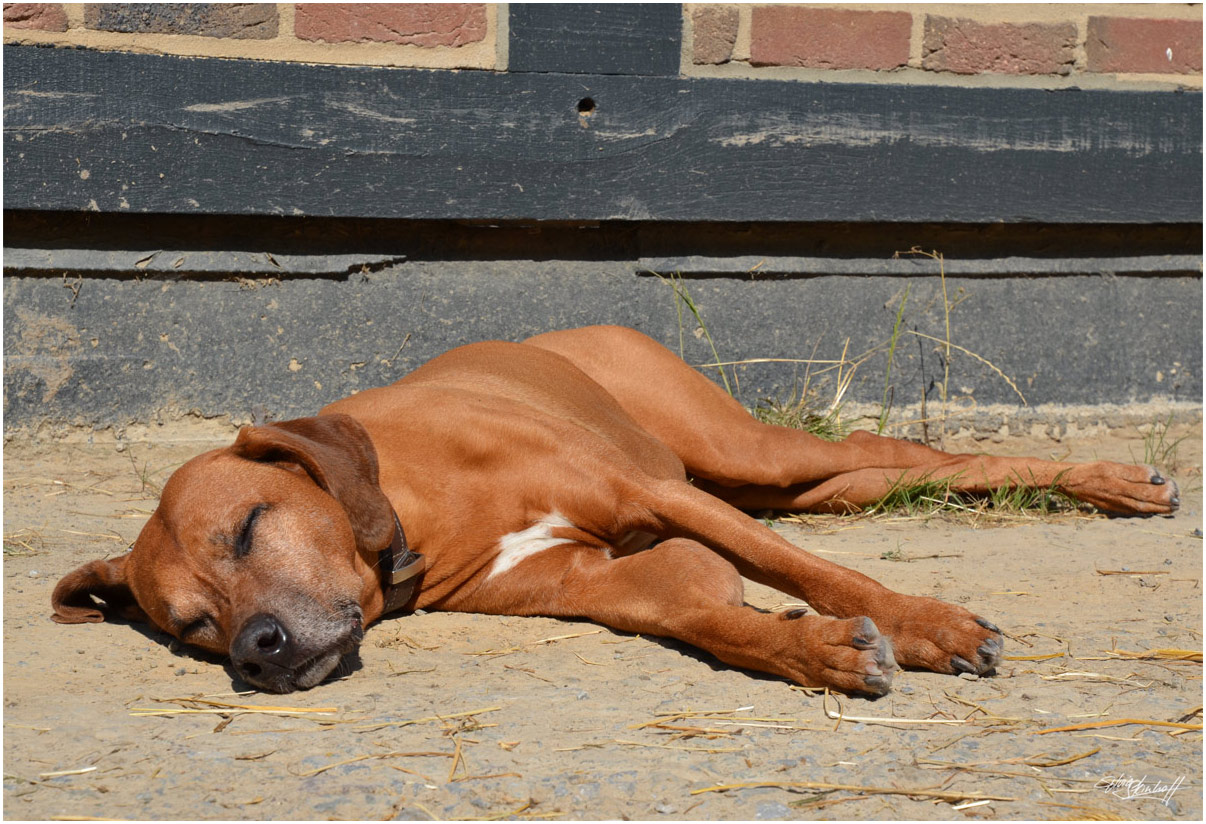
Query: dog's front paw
column 933, row 635
column 850, row 654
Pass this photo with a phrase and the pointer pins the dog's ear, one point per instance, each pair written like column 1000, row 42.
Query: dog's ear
column 72, row 598
column 336, row 452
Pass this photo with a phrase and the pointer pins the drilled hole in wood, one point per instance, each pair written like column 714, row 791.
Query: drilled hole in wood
column 586, row 106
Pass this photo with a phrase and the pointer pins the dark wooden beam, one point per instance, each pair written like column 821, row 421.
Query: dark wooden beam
column 596, row 38
column 114, row 132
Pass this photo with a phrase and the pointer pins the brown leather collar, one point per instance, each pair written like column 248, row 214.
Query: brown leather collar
column 400, row 570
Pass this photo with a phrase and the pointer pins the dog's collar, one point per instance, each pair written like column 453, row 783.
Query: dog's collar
column 400, row 569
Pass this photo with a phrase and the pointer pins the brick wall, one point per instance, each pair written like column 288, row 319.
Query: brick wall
column 1097, row 45
column 1083, row 44
column 455, row 35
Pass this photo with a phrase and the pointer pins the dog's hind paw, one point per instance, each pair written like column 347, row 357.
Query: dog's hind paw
column 1123, row 489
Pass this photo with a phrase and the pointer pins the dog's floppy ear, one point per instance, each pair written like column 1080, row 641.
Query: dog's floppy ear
column 336, row 452
column 72, row 598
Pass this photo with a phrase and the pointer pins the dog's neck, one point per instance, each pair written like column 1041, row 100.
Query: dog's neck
column 400, row 569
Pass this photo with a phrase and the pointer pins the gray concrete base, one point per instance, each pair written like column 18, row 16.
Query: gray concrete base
column 101, row 353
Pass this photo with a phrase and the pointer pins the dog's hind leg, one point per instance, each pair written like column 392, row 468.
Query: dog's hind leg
column 1108, row 486
column 713, row 434
column 681, row 589
column 759, row 466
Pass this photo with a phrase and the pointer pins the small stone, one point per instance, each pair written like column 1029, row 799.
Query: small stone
column 969, row 676
column 33, row 573
column 771, row 811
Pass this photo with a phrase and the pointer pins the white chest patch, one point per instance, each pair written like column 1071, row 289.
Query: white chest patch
column 515, row 546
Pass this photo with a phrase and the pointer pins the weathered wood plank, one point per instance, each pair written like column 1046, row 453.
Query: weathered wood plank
column 596, row 38
column 118, row 132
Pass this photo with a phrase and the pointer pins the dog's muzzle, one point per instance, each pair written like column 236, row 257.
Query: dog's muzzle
column 271, row 654
column 274, row 656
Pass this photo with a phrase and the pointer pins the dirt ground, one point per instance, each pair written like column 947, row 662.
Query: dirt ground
column 478, row 717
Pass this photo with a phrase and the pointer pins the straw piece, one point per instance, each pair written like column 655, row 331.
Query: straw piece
column 148, row 712
column 1118, row 723
column 261, row 707
column 1063, row 761
column 1132, row 572
column 373, row 756
column 818, row 785
column 483, row 777
column 1163, row 654
column 555, row 638
column 424, row 720
column 839, row 716
column 58, row 773
column 687, row 749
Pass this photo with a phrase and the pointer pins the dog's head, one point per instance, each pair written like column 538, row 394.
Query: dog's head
column 266, row 550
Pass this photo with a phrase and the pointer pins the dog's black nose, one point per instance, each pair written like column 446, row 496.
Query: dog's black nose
column 262, row 648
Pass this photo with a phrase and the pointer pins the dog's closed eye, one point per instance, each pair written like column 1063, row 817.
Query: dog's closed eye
column 199, row 625
column 246, row 533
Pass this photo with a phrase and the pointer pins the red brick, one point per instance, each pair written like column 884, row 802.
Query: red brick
column 829, row 38
column 970, row 47
column 44, row 16
column 240, row 21
column 419, row 24
column 1126, row 44
column 715, row 30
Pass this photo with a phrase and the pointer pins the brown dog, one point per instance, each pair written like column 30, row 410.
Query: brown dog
column 586, row 473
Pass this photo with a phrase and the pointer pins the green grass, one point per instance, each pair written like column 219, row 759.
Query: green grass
column 927, row 496
column 682, row 297
column 922, row 496
column 1158, row 449
column 799, row 413
column 893, row 554
column 889, row 390
column 1033, row 500
column 803, row 409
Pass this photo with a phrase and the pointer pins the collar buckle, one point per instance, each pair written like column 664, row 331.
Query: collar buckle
column 400, row 568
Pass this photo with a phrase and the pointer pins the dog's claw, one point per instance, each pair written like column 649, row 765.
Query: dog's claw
column 960, row 665
column 878, row 684
column 988, row 625
column 1157, row 479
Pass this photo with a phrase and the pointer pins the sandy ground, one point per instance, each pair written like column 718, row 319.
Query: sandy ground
column 466, row 716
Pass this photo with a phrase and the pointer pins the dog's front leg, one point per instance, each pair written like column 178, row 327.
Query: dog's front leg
column 683, row 590
column 925, row 632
